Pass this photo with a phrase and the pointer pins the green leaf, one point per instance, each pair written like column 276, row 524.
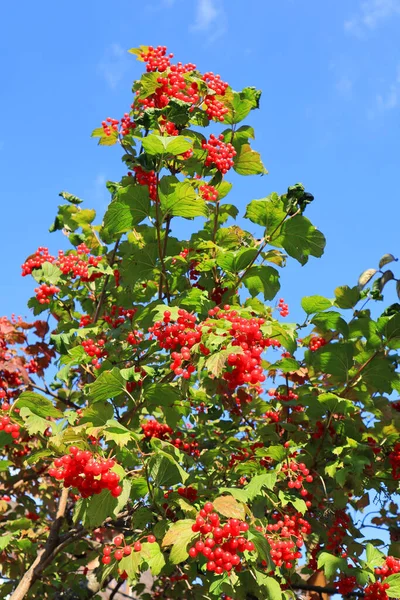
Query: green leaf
column 283, row 332
column 268, row 212
column 139, row 488
column 216, row 362
column 70, row 198
column 94, row 510
column 137, row 198
column 394, row 582
column 386, row 259
column 5, row 540
column 243, row 258
column 157, row 144
column 117, row 433
column 272, row 586
column 179, row 535
column 48, row 273
column 33, row 423
column 118, row 218
column 379, row 373
column 179, row 199
column 106, row 140
column 262, row 547
column 301, row 239
column 37, row 404
column 18, row 524
column 334, row 359
column 365, row 277
column 248, row 162
column 347, row 297
column 375, row 558
column 314, row 304
column 257, row 483
column 165, row 471
column 161, row 394
column 262, row 279
column 152, row 555
column 331, row 564
column 130, row 564
column 238, row 108
column 229, row 507
column 331, row 320
column 109, row 384
column 97, row 414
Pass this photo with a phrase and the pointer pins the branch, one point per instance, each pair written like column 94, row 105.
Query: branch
column 42, row 559
column 47, row 391
column 331, row 591
column 107, row 279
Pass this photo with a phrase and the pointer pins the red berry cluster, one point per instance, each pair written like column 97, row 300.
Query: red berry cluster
column 247, row 454
column 297, row 473
column 44, row 292
column 208, row 193
column 285, row 538
column 346, row 585
column 337, row 531
column 283, row 397
column 127, row 125
column 95, row 349
column 117, row 551
column 134, row 337
column 110, row 125
column 173, row 85
column 215, row 109
column 32, row 366
column 119, row 315
column 77, row 265
column 394, row 459
column 131, row 385
column 168, row 127
column 189, row 493
column 90, row 475
column 156, row 58
column 184, row 253
column 215, row 83
column 36, row 260
column 219, row 153
column 221, row 545
column 148, row 178
column 391, row 566
column 376, row 591
column 246, row 334
column 7, row 425
column 85, row 320
column 153, row 428
column 283, row 308
column 316, row 342
column 180, row 337
column 272, row 416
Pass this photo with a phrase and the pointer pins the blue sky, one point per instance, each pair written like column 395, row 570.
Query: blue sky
column 330, row 75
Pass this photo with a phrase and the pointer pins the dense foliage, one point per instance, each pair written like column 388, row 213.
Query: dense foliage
column 161, row 414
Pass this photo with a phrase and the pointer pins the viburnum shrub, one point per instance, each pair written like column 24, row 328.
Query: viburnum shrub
column 185, row 428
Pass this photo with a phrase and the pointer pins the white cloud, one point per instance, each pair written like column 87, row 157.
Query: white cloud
column 114, row 65
column 387, row 101
column 372, row 14
column 211, row 18
column 206, row 14
column 344, row 86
